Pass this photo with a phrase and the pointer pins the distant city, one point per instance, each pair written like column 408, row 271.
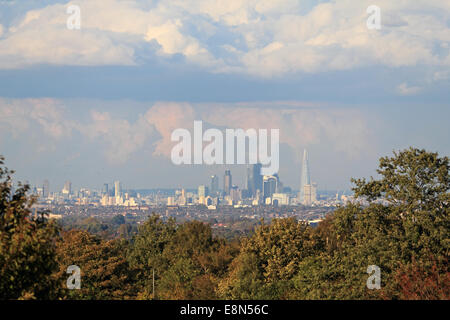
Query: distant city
column 259, row 191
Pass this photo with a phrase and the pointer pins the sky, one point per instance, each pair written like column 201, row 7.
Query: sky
column 99, row 103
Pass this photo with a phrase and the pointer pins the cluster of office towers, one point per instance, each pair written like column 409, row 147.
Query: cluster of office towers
column 259, row 189
column 116, row 197
column 262, row 189
column 44, row 191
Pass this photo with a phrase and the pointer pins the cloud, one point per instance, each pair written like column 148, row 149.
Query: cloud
column 263, row 38
column 441, row 75
column 345, row 129
column 301, row 125
column 165, row 117
column 42, row 37
column 38, row 124
column 405, row 90
column 18, row 115
column 119, row 138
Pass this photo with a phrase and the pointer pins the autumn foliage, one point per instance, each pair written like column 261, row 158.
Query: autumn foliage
column 404, row 230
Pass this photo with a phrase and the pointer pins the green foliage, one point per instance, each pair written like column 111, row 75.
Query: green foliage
column 105, row 273
column 118, row 220
column 279, row 247
column 414, row 179
column 27, row 251
column 287, row 260
column 245, row 281
column 413, row 226
column 403, row 229
column 104, row 227
column 269, row 260
column 186, row 259
column 146, row 252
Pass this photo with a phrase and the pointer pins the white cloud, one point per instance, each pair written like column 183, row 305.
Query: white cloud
column 301, row 124
column 18, row 115
column 260, row 37
column 37, row 124
column 119, row 138
column 441, row 75
column 166, row 117
column 405, row 90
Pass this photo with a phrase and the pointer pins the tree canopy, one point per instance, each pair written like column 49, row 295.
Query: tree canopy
column 401, row 227
column 27, row 244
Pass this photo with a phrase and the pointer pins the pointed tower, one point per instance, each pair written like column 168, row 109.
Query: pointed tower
column 305, row 179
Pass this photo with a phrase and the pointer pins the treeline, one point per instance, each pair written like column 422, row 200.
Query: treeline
column 106, row 228
column 127, row 226
column 406, row 238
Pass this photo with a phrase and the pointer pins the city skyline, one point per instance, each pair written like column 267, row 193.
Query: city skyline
column 259, row 190
column 269, row 191
column 214, row 184
column 243, row 178
column 100, row 103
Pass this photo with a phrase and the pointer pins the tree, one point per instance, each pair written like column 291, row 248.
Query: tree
column 187, row 260
column 105, row 273
column 414, row 179
column 245, row 280
column 27, row 244
column 118, row 220
column 269, row 260
column 418, row 283
column 146, row 252
column 196, row 262
column 407, row 220
column 416, row 183
column 190, row 240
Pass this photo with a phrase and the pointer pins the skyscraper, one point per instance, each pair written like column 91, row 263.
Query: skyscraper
column 214, row 185
column 305, row 179
column 227, row 182
column 203, row 191
column 254, row 179
column 105, row 189
column 182, row 199
column 307, row 192
column 117, row 188
column 270, row 184
column 247, row 178
column 314, row 192
column 67, row 188
column 235, row 194
column 45, row 189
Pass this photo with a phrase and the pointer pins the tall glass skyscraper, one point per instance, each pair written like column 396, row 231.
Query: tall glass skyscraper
column 306, row 178
column 270, row 184
column 105, row 189
column 254, row 179
column 227, row 182
column 203, row 191
column 214, row 185
column 117, row 189
column 46, row 189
